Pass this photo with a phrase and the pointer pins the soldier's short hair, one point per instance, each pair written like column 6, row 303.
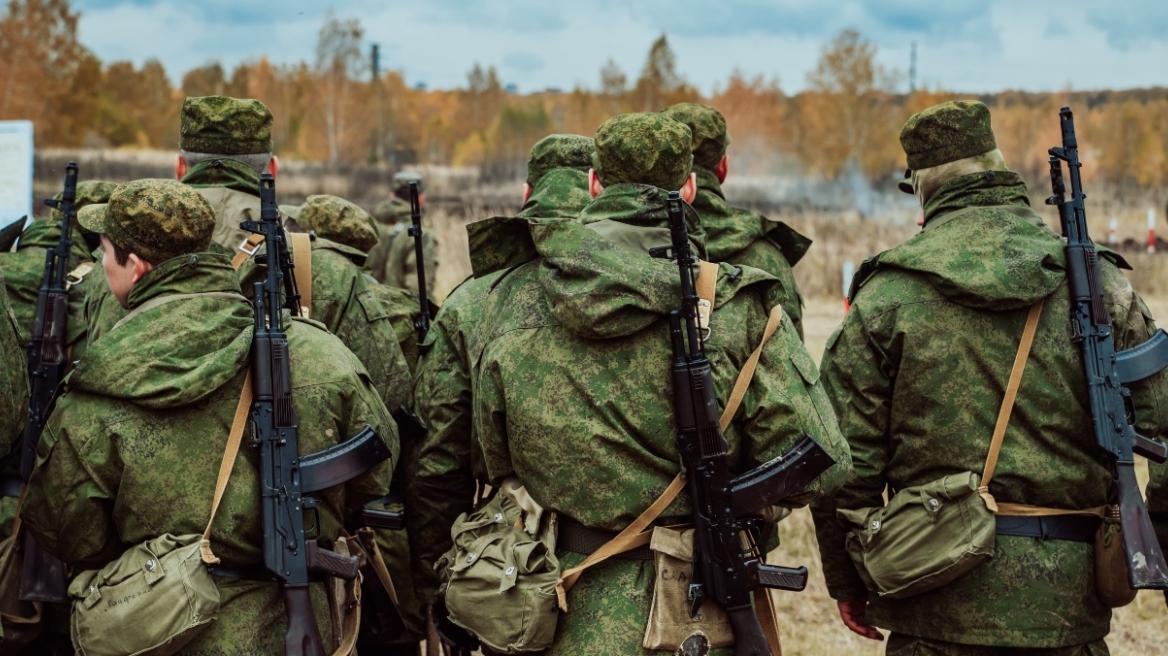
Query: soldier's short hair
column 256, row 161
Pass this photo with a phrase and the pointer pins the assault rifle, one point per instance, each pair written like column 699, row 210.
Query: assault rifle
column 422, row 324
column 43, row 576
column 285, row 476
column 1108, row 371
column 727, row 561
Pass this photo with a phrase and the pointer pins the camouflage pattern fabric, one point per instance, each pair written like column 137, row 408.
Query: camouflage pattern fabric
column 90, row 192
column 338, row 220
column 448, row 465
column 220, row 125
column 391, row 211
column 401, row 269
column 345, row 303
column 24, row 270
column 644, row 148
column 559, row 151
column 403, row 309
column 154, row 219
column 571, row 394
column 917, row 372
column 117, row 466
column 13, row 397
column 233, row 190
column 950, row 131
column 905, row 645
column 710, row 136
column 741, row 236
column 401, row 184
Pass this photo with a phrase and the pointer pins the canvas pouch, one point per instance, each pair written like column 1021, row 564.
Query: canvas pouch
column 670, row 623
column 1111, row 565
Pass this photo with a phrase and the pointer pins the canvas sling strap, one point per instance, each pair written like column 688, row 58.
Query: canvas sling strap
column 78, row 274
column 352, row 620
column 639, row 532
column 991, row 463
column 301, row 255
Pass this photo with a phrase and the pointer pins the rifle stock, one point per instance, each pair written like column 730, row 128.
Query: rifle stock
column 1105, row 370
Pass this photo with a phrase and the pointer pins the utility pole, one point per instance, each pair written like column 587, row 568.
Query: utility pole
column 379, row 144
column 912, row 69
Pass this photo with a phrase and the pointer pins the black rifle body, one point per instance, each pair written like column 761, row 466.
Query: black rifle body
column 43, row 576
column 422, row 325
column 1109, row 399
column 727, row 563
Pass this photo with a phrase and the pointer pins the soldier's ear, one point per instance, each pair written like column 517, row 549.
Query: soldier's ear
column 594, row 186
column 180, row 167
column 274, row 165
column 526, row 192
column 722, row 169
column 689, row 190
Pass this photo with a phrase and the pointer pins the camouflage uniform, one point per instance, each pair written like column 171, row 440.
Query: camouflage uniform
column 393, row 260
column 736, row 235
column 13, row 396
column 572, row 395
column 336, row 219
column 117, row 464
column 444, row 480
column 917, row 373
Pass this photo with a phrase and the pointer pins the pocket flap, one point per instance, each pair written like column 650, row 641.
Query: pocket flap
column 673, row 542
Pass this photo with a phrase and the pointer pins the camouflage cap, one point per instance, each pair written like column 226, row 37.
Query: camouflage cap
column 89, row 192
column 559, row 151
column 710, row 137
column 221, row 125
column 402, row 180
column 943, row 133
column 291, row 210
column 645, row 148
column 336, row 219
column 155, row 219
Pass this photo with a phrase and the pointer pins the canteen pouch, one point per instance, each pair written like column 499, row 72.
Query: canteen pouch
column 927, row 536
column 1111, row 564
column 669, row 621
column 501, row 573
column 153, row 600
column 22, row 620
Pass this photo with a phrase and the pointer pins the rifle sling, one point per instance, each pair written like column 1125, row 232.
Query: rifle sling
column 991, row 463
column 238, row 423
column 302, row 271
column 640, row 532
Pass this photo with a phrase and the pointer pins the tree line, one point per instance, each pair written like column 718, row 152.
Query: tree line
column 337, row 109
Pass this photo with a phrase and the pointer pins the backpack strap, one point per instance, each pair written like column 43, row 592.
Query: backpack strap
column 242, row 410
column 639, row 532
column 302, row 272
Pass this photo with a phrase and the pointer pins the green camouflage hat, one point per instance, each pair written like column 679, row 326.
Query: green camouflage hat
column 89, row 192
column 336, row 219
column 645, row 148
column 402, row 180
column 710, row 137
column 291, row 210
column 943, row 133
column 559, row 151
column 155, row 219
column 220, row 125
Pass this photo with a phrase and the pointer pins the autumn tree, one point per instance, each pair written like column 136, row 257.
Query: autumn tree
column 338, row 61
column 46, row 75
column 206, row 80
column 660, row 85
column 138, row 107
column 755, row 112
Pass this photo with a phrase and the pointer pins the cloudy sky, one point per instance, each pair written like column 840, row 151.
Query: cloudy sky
column 964, row 45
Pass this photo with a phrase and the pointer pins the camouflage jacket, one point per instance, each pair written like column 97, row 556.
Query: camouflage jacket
column 232, row 188
column 24, row 270
column 917, row 372
column 448, row 467
column 13, row 377
column 344, row 301
column 133, row 447
column 392, row 260
column 572, row 392
column 740, row 236
column 402, row 307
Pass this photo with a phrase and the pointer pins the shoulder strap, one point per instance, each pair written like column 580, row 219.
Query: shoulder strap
column 302, row 272
column 638, row 532
column 238, row 423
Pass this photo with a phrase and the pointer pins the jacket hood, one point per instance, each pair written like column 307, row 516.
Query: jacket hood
column 597, row 275
column 730, row 230
column 503, row 242
column 982, row 246
column 179, row 352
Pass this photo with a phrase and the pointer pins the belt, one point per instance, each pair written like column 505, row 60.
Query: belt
column 577, row 538
column 1070, row 528
column 256, row 572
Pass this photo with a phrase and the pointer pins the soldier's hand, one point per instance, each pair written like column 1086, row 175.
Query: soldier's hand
column 854, row 613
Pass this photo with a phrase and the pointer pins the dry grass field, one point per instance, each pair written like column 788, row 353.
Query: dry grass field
column 809, row 620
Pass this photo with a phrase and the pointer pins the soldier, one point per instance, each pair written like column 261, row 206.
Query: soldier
column 918, row 373
column 444, row 480
column 570, row 393
column 392, row 260
column 133, row 447
column 737, row 235
column 13, row 401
